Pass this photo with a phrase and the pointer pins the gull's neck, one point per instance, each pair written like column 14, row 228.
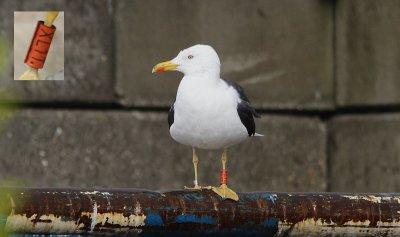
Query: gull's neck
column 206, row 74
column 203, row 79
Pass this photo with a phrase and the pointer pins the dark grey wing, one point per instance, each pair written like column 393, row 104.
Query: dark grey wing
column 246, row 116
column 171, row 115
column 245, row 111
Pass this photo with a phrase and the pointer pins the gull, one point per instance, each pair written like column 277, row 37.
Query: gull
column 208, row 112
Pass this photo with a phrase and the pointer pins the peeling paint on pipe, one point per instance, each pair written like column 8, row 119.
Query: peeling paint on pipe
column 62, row 211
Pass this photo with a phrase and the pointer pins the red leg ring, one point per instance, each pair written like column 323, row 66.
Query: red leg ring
column 223, row 176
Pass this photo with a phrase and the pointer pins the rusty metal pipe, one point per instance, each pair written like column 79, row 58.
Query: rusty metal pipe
column 62, row 211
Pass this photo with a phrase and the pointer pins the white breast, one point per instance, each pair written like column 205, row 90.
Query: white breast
column 205, row 114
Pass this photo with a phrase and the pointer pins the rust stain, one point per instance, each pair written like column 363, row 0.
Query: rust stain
column 85, row 211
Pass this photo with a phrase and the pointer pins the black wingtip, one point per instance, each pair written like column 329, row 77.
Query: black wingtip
column 256, row 114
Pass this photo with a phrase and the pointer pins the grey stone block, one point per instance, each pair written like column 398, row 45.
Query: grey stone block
column 368, row 52
column 279, row 51
column 365, row 153
column 134, row 149
column 6, row 41
column 88, row 72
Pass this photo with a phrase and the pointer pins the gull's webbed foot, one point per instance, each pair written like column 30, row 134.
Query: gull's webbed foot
column 195, row 187
column 225, row 192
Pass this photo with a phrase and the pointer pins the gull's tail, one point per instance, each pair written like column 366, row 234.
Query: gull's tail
column 258, row 135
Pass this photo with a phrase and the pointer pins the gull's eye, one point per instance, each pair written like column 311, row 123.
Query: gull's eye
column 190, row 56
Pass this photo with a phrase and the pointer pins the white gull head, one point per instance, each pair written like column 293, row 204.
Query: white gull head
column 198, row 59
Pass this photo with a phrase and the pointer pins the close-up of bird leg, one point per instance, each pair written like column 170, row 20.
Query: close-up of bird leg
column 30, row 74
column 195, row 163
column 40, row 45
column 50, row 18
column 223, row 190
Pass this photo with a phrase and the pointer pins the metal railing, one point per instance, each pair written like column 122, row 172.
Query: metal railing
column 64, row 211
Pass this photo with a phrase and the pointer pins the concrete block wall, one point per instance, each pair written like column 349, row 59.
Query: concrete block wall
column 368, row 52
column 322, row 73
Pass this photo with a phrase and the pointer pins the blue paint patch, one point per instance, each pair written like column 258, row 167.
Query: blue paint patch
column 271, row 223
column 271, row 197
column 196, row 196
column 153, row 219
column 253, row 196
column 190, row 218
column 165, row 208
column 267, row 196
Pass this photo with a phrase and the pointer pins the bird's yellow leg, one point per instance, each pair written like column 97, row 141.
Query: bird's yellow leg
column 30, row 74
column 223, row 190
column 50, row 18
column 195, row 163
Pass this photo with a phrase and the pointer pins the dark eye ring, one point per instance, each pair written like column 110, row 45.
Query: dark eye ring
column 190, row 56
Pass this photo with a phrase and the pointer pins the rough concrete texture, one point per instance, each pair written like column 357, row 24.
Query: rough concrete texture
column 279, row 51
column 133, row 149
column 365, row 153
column 368, row 52
column 88, row 53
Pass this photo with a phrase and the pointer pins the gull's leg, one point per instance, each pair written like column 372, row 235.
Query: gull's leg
column 223, row 190
column 195, row 163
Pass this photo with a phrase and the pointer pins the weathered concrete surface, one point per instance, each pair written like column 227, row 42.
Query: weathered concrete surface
column 6, row 41
column 365, row 153
column 88, row 52
column 368, row 52
column 132, row 149
column 280, row 51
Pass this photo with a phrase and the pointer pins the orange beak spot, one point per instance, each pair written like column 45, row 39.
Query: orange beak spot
column 160, row 69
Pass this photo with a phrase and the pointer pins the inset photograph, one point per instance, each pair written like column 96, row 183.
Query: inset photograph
column 39, row 45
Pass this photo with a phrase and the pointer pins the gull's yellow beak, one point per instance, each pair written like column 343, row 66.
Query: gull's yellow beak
column 164, row 66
